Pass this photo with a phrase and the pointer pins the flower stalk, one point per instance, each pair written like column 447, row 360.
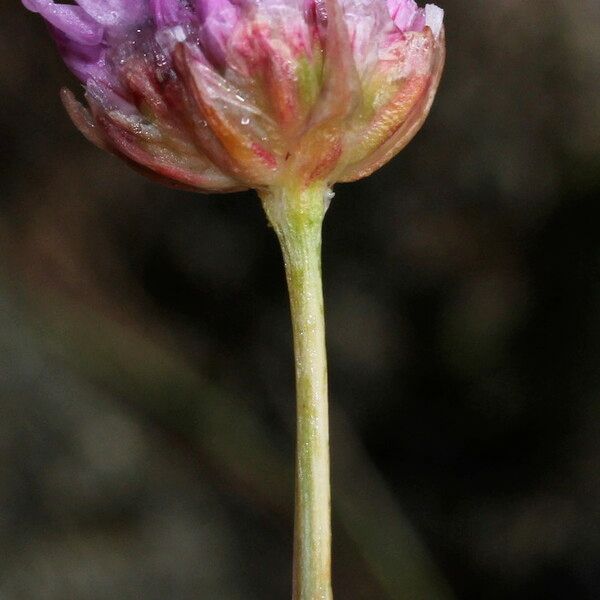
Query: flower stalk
column 297, row 217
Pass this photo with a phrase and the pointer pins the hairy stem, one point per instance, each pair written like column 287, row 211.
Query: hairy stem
column 297, row 217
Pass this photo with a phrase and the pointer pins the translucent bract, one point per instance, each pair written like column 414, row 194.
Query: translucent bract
column 221, row 95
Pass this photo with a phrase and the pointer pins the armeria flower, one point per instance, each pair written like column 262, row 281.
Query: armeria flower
column 220, row 95
column 284, row 96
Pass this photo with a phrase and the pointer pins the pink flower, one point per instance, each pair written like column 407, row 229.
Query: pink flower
column 220, row 95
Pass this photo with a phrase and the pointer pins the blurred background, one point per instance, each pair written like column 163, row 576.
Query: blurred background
column 146, row 383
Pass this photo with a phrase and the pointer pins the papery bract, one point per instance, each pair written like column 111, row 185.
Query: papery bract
column 220, row 95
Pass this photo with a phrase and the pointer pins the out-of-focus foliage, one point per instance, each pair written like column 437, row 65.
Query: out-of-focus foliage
column 146, row 384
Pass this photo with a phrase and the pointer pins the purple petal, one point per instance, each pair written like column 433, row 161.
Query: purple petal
column 83, row 60
column 112, row 13
column 407, row 16
column 166, row 13
column 404, row 13
column 219, row 17
column 205, row 8
column 73, row 21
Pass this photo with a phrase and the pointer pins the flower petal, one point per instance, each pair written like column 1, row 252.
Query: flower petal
column 167, row 13
column 114, row 13
column 205, row 8
column 218, row 19
column 406, row 14
column 83, row 60
column 434, row 19
column 73, row 21
column 368, row 23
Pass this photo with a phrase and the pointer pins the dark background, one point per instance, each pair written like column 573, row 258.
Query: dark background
column 146, row 384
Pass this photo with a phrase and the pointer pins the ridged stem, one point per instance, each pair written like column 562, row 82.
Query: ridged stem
column 297, row 217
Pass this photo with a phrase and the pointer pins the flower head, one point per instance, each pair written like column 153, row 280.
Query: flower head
column 219, row 95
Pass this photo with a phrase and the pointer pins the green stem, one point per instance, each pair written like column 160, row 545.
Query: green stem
column 297, row 217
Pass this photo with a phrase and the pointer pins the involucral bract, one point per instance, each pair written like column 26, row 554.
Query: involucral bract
column 223, row 95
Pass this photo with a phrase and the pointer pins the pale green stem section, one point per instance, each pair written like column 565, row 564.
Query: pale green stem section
column 297, row 217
